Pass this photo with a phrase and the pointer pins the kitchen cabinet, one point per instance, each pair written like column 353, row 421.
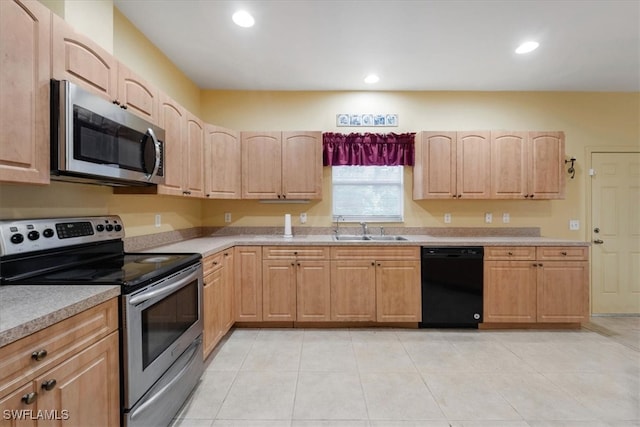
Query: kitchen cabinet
column 375, row 283
column 217, row 295
column 452, row 165
column 281, row 165
column 50, row 369
column 172, row 117
column 296, row 283
column 222, row 163
column 25, row 40
column 79, row 59
column 194, row 157
column 248, row 283
column 527, row 165
column 536, row 285
column 137, row 95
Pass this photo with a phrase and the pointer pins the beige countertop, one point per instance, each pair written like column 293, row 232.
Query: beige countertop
column 27, row 309
column 210, row 245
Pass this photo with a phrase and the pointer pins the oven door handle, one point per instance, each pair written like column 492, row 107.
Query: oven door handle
column 162, row 291
column 168, row 386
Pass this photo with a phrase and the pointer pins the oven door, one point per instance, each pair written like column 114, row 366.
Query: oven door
column 160, row 322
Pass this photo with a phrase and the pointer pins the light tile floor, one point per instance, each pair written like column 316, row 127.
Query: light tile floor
column 426, row 378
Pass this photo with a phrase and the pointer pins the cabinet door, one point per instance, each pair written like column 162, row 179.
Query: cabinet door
column 25, row 34
column 211, row 296
column 509, row 165
column 248, row 283
column 87, row 386
column 473, row 153
column 227, row 309
column 222, row 163
column 398, row 291
column 353, row 291
column 15, row 403
column 261, row 165
column 173, row 119
column 302, row 165
column 194, row 156
column 510, row 291
column 279, row 290
column 137, row 95
column 563, row 291
column 79, row 59
column 546, row 171
column 313, row 280
column 434, row 173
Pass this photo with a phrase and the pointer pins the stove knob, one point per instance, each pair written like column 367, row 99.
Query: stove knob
column 33, row 235
column 48, row 233
column 109, row 227
column 17, row 238
column 118, row 227
column 100, row 227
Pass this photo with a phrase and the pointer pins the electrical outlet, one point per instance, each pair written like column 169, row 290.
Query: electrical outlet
column 447, row 218
column 574, row 224
column 227, row 217
column 488, row 217
column 158, row 220
column 506, row 218
column 303, row 218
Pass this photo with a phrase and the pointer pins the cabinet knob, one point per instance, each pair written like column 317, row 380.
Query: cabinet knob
column 509, row 253
column 29, row 398
column 226, row 254
column 563, row 253
column 293, row 264
column 115, row 101
column 373, row 263
column 459, row 196
column 540, row 265
column 39, row 355
column 534, row 265
column 49, row 384
column 215, row 263
column 123, row 106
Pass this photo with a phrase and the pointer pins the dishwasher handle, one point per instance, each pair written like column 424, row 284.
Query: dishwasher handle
column 453, row 252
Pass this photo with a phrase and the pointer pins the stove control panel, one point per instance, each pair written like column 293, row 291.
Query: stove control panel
column 31, row 235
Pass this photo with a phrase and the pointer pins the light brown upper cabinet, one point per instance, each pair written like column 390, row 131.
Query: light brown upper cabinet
column 452, row 165
column 172, row 118
column 137, row 95
column 25, row 34
column 79, row 59
column 222, row 163
column 194, row 156
column 527, row 165
column 281, row 165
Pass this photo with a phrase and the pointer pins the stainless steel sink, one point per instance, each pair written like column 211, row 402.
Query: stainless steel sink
column 368, row 238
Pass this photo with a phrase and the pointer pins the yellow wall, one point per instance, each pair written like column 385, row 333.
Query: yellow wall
column 588, row 119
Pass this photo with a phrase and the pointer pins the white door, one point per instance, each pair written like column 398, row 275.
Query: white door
column 615, row 234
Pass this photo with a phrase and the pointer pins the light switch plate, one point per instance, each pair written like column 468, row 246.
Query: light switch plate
column 506, row 218
column 227, row 217
column 447, row 218
column 488, row 217
column 574, row 224
column 303, row 218
column 158, row 220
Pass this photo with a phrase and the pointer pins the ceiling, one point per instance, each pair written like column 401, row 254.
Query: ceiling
column 585, row 45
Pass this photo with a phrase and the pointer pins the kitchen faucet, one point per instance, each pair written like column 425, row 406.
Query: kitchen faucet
column 337, row 230
column 365, row 230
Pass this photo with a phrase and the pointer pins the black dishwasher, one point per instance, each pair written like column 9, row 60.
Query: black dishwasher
column 451, row 286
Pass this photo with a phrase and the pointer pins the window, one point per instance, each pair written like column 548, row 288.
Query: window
column 368, row 193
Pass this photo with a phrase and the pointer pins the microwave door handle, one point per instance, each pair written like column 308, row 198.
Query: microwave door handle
column 162, row 291
column 156, row 145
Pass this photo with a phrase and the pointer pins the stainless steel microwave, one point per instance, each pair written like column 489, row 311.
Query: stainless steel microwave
column 98, row 142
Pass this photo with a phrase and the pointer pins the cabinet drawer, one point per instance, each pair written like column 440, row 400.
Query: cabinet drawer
column 295, row 252
column 404, row 253
column 562, row 253
column 509, row 253
column 212, row 263
column 60, row 341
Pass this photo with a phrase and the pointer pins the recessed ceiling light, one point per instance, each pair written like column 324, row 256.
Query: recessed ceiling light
column 527, row 47
column 243, row 18
column 371, row 78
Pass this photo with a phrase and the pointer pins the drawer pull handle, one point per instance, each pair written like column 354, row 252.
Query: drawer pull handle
column 49, row 384
column 509, row 253
column 29, row 398
column 564, row 253
column 39, row 355
column 215, row 262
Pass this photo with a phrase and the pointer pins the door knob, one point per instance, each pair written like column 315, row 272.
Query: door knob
column 598, row 241
column 596, row 230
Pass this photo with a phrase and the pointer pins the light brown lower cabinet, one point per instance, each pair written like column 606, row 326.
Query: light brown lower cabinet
column 248, row 283
column 77, row 382
column 398, row 291
column 536, row 285
column 353, row 290
column 217, row 295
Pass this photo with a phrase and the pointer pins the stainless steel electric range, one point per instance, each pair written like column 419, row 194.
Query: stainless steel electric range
column 160, row 304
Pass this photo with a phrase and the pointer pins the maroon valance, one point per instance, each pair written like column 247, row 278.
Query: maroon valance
column 368, row 149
